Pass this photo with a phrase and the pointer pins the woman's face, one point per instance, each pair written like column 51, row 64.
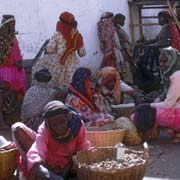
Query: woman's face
column 110, row 85
column 163, row 61
column 58, row 124
column 161, row 20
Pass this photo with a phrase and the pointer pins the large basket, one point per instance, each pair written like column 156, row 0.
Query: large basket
column 105, row 138
column 85, row 158
column 7, row 163
column 123, row 110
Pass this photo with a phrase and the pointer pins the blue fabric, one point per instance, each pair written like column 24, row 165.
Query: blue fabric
column 79, row 78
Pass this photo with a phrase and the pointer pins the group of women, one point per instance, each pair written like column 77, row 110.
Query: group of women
column 54, row 131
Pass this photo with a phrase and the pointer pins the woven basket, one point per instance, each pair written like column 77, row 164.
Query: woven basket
column 121, row 111
column 85, row 158
column 105, row 138
column 7, row 163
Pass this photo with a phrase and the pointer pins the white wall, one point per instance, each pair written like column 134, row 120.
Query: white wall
column 36, row 21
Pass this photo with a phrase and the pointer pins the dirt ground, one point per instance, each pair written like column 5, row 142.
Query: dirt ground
column 164, row 162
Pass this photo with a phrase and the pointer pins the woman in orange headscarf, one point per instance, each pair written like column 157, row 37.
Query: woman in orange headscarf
column 61, row 59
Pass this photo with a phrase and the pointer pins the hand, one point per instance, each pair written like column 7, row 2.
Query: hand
column 42, row 172
column 19, row 65
column 5, row 85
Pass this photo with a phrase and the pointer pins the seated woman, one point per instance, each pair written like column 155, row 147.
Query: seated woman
column 164, row 114
column 36, row 98
column 49, row 151
column 111, row 86
column 93, row 108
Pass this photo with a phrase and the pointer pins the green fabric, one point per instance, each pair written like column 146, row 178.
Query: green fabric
column 173, row 62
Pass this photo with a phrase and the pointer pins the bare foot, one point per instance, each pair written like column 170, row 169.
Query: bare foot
column 175, row 140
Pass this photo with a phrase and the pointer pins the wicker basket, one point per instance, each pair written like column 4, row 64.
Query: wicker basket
column 105, row 138
column 7, row 163
column 85, row 158
column 123, row 110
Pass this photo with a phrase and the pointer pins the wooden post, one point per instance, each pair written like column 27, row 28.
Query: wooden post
column 140, row 21
column 173, row 14
column 131, row 21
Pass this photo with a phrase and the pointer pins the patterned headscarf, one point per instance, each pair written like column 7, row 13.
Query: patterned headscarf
column 67, row 27
column 6, row 38
column 173, row 62
column 105, row 75
column 54, row 108
column 79, row 86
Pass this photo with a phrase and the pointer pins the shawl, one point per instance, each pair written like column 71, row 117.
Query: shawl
column 106, row 74
column 67, row 27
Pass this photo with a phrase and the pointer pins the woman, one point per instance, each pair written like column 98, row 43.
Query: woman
column 61, row 59
column 111, row 86
column 125, row 45
column 59, row 137
column 110, row 43
column 36, row 98
column 93, row 107
column 169, row 35
column 11, row 70
column 166, row 114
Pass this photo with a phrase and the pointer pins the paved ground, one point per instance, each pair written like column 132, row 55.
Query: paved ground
column 164, row 162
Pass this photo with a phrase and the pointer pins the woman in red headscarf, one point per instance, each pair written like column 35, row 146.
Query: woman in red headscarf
column 83, row 99
column 61, row 59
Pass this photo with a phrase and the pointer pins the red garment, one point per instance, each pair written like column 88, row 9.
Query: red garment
column 66, row 26
column 175, row 36
column 84, row 99
column 46, row 150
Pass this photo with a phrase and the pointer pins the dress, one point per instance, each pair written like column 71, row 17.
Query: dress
column 9, row 71
column 170, row 31
column 90, row 117
column 110, row 45
column 33, row 103
column 168, row 111
column 61, row 74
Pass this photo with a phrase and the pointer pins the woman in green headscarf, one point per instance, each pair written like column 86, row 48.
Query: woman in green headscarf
column 169, row 63
column 166, row 113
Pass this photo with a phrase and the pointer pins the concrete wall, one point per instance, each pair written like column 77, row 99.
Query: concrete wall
column 36, row 21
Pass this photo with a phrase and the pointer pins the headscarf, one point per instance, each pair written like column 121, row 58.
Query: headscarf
column 106, row 74
column 6, row 38
column 43, row 75
column 173, row 63
column 79, row 87
column 67, row 27
column 107, row 14
column 54, row 108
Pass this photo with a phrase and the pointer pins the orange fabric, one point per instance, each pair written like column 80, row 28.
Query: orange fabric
column 76, row 42
column 74, row 39
column 107, row 73
column 83, row 98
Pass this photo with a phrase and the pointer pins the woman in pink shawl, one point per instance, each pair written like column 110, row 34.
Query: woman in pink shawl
column 11, row 70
